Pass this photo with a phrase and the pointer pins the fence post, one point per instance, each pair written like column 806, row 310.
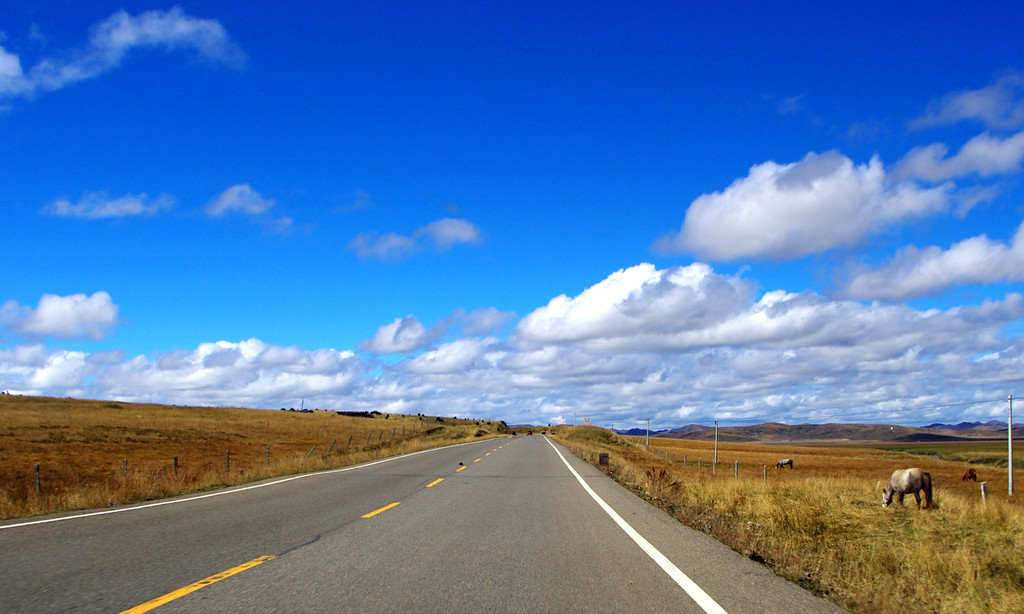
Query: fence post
column 368, row 438
column 175, row 466
column 736, row 471
column 38, row 487
column 268, row 455
column 698, row 463
column 766, row 473
column 393, row 431
column 124, row 469
column 984, row 492
column 684, row 460
column 332, row 446
column 227, row 461
column 310, row 452
column 349, row 441
column 380, row 437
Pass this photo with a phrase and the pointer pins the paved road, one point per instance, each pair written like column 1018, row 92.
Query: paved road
column 519, row 526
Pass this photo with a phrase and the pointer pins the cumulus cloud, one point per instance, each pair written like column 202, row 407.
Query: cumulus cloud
column 443, row 234
column 97, row 205
column 484, row 321
column 677, row 345
column 110, row 41
column 999, row 105
column 76, row 316
column 402, row 336
column 242, row 199
column 916, row 272
column 455, row 356
column 784, row 211
column 985, row 155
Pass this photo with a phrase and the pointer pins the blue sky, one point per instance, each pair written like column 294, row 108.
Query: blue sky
column 536, row 213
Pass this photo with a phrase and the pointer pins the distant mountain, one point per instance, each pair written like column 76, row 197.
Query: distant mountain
column 775, row 432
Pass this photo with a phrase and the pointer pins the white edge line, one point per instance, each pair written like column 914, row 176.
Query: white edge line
column 226, row 492
column 704, row 600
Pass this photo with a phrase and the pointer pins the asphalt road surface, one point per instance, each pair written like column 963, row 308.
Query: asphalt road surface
column 508, row 525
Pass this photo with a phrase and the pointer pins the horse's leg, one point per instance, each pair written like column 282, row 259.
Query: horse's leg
column 899, row 497
column 917, row 495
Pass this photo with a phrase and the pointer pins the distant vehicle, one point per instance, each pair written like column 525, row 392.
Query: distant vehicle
column 529, row 432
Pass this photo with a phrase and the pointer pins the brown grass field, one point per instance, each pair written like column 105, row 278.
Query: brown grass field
column 96, row 453
column 821, row 523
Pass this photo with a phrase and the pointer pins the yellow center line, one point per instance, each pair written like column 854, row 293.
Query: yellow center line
column 477, row 460
column 487, row 454
column 383, row 509
column 460, row 469
column 435, row 482
column 191, row 588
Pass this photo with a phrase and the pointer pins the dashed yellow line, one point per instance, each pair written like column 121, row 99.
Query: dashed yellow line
column 435, row 482
column 191, row 588
column 383, row 509
column 487, row 454
column 460, row 469
column 477, row 460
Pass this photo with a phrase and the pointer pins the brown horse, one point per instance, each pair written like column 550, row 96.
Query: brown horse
column 970, row 474
column 914, row 481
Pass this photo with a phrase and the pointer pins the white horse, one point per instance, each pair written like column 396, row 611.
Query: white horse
column 914, row 481
column 782, row 463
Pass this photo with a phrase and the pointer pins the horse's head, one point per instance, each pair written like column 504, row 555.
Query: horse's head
column 887, row 495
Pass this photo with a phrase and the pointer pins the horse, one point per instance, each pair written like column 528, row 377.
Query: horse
column 782, row 463
column 970, row 474
column 913, row 481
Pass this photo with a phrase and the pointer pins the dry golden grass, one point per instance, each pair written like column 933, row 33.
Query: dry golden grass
column 822, row 525
column 82, row 447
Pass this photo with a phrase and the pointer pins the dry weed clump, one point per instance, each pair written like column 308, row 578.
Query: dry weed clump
column 822, row 525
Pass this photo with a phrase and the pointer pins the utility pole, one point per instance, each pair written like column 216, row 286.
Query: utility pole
column 1009, row 449
column 716, row 442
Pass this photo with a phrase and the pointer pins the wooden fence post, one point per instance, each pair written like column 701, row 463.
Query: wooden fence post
column 984, row 493
column 268, row 455
column 227, row 461
column 38, row 487
column 124, row 469
column 332, row 446
column 736, row 471
column 698, row 463
column 349, row 441
column 175, row 466
column 766, row 473
column 310, row 452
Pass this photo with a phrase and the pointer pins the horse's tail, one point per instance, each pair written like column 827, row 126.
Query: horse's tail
column 926, row 486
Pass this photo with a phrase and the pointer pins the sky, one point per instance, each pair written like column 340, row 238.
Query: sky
column 544, row 213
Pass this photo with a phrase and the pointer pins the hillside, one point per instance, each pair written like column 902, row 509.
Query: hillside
column 774, row 432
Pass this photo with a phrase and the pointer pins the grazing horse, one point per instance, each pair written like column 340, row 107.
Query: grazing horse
column 913, row 481
column 970, row 474
column 782, row 463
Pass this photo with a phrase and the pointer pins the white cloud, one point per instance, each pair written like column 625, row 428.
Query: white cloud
column 449, row 232
column 110, row 42
column 999, row 106
column 242, row 199
column 97, row 205
column 450, row 357
column 76, row 316
column 484, row 321
column 915, row 272
column 402, row 336
column 390, row 246
column 443, row 234
column 791, row 210
column 984, row 155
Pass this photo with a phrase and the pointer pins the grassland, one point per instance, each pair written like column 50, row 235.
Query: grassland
column 97, row 454
column 821, row 524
